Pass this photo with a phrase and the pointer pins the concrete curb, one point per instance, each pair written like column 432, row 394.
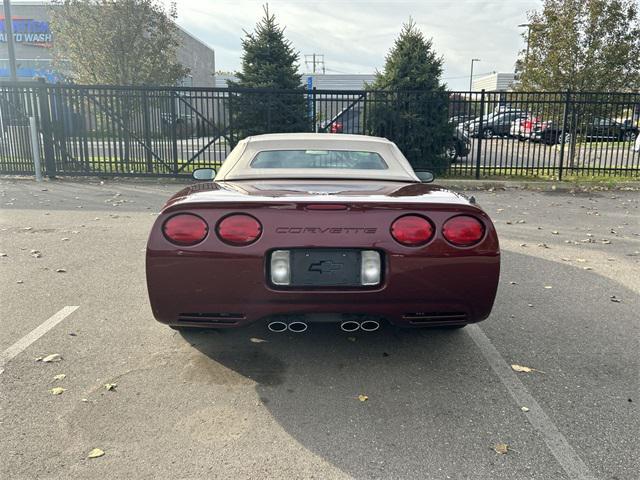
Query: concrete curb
column 453, row 183
column 537, row 185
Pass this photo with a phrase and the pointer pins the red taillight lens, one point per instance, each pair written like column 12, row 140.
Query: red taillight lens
column 463, row 231
column 239, row 229
column 185, row 229
column 412, row 230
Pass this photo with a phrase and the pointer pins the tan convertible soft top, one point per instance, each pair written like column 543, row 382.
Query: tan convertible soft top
column 237, row 164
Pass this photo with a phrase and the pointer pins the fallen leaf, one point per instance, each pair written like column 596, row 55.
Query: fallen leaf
column 524, row 409
column 548, row 287
column 521, row 368
column 615, row 299
column 60, row 376
column 501, row 448
column 57, row 391
column 3, row 254
column 256, row 340
column 20, row 282
column 555, row 232
column 61, row 270
column 110, row 386
column 363, row 398
column 581, row 260
column 95, row 453
column 54, row 357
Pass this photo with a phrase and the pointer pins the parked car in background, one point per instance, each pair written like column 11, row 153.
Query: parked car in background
column 598, row 129
column 457, row 119
column 496, row 124
column 522, row 128
column 460, row 146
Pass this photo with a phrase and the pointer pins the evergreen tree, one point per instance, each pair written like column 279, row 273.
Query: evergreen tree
column 409, row 102
column 269, row 61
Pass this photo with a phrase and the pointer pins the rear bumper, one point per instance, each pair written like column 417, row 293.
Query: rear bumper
column 211, row 289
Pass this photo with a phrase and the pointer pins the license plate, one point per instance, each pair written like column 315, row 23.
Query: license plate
column 325, row 268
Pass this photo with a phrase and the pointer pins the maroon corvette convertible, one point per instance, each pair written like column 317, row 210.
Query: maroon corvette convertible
column 303, row 228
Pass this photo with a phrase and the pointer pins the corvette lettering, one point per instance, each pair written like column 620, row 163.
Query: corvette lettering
column 334, row 230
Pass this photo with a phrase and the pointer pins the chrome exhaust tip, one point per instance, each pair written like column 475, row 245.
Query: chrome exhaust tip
column 277, row 327
column 349, row 326
column 370, row 325
column 298, row 327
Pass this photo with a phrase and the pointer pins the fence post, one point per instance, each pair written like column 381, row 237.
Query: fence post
column 47, row 132
column 174, row 132
column 146, row 121
column 363, row 128
column 35, row 147
column 565, row 119
column 314, row 110
column 480, row 135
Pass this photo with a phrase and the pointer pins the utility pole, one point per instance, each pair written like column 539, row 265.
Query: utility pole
column 314, row 59
column 8, row 30
column 473, row 60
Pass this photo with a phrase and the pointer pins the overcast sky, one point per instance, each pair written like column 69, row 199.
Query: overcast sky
column 354, row 36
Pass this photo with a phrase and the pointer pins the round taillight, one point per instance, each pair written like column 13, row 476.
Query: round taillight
column 185, row 229
column 412, row 230
column 239, row 229
column 463, row 231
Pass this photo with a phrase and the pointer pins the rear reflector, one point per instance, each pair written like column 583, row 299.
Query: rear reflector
column 185, row 229
column 239, row 229
column 412, row 230
column 463, row 231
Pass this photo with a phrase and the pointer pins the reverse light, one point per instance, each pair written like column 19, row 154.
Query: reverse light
column 185, row 229
column 280, row 269
column 370, row 267
column 239, row 229
column 463, row 231
column 412, row 230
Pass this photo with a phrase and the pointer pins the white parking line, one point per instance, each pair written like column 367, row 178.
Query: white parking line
column 34, row 335
column 557, row 443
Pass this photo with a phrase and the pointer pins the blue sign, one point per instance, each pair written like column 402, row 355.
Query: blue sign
column 309, row 97
column 28, row 32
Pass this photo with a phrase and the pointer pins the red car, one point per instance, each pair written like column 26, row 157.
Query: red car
column 303, row 228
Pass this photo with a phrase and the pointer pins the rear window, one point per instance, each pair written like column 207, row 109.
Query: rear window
column 346, row 159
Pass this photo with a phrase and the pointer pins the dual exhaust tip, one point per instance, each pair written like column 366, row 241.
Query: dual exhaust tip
column 295, row 327
column 366, row 326
column 348, row 326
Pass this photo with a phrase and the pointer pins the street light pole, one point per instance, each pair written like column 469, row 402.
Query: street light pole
column 528, row 27
column 8, row 30
column 471, row 75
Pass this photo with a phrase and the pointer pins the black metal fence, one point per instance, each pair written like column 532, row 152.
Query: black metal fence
column 101, row 130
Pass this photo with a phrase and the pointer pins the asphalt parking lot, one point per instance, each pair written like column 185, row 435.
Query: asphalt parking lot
column 253, row 404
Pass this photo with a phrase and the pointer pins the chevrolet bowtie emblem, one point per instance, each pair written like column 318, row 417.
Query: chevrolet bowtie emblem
column 325, row 266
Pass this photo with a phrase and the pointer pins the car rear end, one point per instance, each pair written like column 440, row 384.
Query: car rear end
column 227, row 264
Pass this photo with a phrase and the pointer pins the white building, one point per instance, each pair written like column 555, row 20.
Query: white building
column 494, row 82
column 319, row 80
